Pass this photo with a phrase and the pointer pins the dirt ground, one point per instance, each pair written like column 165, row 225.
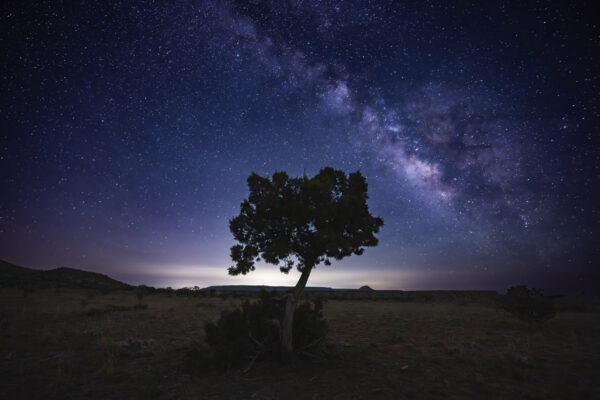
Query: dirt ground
column 84, row 344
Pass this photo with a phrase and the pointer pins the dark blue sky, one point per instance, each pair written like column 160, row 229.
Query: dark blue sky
column 128, row 130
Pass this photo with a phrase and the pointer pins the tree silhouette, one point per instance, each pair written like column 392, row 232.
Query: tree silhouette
column 301, row 222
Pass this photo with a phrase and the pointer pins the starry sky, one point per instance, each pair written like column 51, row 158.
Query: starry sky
column 128, row 129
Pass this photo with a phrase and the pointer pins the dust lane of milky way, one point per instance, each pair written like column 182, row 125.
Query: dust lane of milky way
column 129, row 128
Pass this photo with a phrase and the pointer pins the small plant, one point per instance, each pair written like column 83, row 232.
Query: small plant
column 528, row 305
column 255, row 329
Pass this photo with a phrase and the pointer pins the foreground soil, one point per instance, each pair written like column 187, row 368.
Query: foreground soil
column 84, row 344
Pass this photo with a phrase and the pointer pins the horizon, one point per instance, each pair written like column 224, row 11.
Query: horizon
column 129, row 132
column 290, row 280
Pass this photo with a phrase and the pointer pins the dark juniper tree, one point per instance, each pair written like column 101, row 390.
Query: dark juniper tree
column 301, row 222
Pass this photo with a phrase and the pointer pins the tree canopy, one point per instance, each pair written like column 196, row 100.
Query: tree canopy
column 302, row 221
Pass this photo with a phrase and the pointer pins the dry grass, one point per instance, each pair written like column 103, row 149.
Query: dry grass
column 81, row 344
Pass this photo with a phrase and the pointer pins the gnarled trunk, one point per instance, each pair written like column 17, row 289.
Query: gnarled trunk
column 287, row 325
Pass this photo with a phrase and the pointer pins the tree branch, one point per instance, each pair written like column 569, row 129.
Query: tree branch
column 252, row 362
column 256, row 342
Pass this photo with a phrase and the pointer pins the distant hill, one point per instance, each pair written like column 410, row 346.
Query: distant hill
column 12, row 275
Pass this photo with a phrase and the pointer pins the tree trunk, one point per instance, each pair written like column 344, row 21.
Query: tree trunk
column 287, row 344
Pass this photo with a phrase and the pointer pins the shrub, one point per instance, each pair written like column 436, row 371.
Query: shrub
column 309, row 324
column 528, row 305
column 252, row 330
column 228, row 338
column 141, row 291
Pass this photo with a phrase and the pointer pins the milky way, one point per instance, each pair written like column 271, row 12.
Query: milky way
column 128, row 130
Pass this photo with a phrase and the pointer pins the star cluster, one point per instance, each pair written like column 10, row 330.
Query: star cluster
column 129, row 128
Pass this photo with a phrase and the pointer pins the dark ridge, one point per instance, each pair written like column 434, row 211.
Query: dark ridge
column 12, row 275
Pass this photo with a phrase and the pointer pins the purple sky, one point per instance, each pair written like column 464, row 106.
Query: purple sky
column 129, row 129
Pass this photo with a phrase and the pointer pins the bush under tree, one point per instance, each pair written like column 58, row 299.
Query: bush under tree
column 253, row 330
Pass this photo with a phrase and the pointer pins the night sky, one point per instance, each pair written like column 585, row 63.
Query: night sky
column 128, row 129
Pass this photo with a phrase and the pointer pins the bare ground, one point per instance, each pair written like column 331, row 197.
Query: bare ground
column 82, row 344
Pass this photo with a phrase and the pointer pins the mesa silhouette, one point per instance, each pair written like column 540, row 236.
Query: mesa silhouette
column 12, row 275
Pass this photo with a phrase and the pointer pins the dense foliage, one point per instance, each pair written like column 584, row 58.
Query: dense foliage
column 302, row 221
